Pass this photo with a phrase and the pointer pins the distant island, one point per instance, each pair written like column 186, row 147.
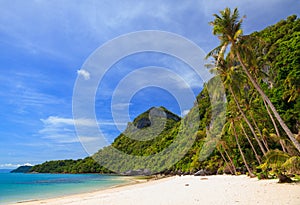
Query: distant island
column 22, row 169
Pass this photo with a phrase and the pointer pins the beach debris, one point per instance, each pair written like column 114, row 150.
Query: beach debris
column 284, row 179
column 201, row 172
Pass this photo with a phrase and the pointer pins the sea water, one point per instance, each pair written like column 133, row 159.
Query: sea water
column 17, row 187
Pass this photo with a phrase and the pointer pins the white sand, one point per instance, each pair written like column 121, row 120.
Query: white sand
column 189, row 190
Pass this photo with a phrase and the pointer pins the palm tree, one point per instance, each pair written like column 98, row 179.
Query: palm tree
column 247, row 121
column 225, row 160
column 259, row 131
column 249, row 102
column 225, row 70
column 223, row 144
column 281, row 141
column 228, row 29
column 240, row 149
column 254, row 151
column 253, row 62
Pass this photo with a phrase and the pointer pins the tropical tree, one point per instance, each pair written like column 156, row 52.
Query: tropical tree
column 227, row 27
column 281, row 141
column 251, row 110
column 223, row 144
column 234, row 132
column 252, row 147
column 226, row 70
column 225, row 160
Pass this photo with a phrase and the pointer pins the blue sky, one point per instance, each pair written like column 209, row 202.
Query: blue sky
column 43, row 44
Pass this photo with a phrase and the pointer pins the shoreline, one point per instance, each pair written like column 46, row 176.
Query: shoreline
column 130, row 180
column 217, row 189
column 133, row 180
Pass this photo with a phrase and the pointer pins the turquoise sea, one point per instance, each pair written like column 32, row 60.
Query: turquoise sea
column 16, row 187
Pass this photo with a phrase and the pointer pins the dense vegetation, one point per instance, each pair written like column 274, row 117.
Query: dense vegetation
column 87, row 165
column 261, row 76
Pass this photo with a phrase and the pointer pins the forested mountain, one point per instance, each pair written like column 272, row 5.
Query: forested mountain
column 254, row 137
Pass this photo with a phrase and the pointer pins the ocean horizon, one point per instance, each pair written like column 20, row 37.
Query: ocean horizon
column 5, row 170
column 19, row 187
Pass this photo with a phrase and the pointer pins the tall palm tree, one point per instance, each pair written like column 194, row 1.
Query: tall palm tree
column 281, row 141
column 249, row 103
column 247, row 121
column 228, row 29
column 252, row 146
column 253, row 64
column 259, row 131
column 225, row 70
column 252, row 100
column 223, row 144
column 225, row 160
column 240, row 149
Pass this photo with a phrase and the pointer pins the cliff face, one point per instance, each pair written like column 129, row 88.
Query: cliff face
column 147, row 118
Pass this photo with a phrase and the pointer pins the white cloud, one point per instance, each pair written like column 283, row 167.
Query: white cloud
column 28, row 164
column 112, row 123
column 85, row 139
column 61, row 130
column 185, row 112
column 85, row 74
column 121, row 106
column 11, row 166
column 60, row 121
column 26, row 99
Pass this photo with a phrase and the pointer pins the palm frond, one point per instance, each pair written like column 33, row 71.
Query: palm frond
column 274, row 159
column 292, row 165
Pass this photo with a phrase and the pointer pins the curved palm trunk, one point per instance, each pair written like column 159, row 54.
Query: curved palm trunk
column 254, row 151
column 247, row 121
column 231, row 162
column 275, row 126
column 259, row 132
column 225, row 160
column 265, row 97
column 241, row 151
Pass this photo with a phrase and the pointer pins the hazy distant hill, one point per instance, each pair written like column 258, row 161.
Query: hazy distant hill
column 22, row 169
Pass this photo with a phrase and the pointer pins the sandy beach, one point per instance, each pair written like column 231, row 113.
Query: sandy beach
column 189, row 190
